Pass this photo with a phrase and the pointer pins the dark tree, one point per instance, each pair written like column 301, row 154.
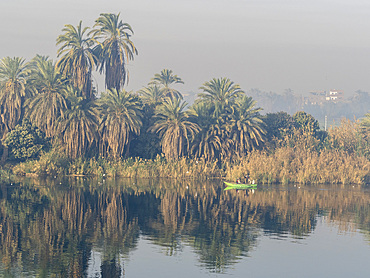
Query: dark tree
column 25, row 141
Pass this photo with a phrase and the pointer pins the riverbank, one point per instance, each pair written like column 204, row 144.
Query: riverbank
column 286, row 165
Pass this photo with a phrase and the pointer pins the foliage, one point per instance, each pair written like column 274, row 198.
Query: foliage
column 154, row 129
column 114, row 48
column 49, row 103
column 77, row 57
column 163, row 80
column 120, row 120
column 349, row 136
column 13, row 76
column 278, row 124
column 221, row 93
column 365, row 127
column 78, row 125
column 248, row 130
column 175, row 128
column 25, row 142
column 306, row 122
column 230, row 124
column 51, row 163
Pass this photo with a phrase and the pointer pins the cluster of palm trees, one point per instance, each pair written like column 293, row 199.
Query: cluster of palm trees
column 60, row 99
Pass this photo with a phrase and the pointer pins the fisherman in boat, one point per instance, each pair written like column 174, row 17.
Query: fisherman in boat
column 237, row 180
column 246, row 179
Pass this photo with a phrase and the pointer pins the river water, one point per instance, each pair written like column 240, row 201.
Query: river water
column 81, row 227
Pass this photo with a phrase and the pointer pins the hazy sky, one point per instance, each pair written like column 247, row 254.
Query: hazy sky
column 304, row 45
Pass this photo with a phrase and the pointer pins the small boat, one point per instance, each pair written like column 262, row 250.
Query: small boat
column 232, row 185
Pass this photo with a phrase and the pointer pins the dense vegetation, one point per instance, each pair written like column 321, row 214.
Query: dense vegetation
column 53, row 119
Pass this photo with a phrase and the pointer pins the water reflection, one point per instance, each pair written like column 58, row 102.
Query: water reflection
column 76, row 226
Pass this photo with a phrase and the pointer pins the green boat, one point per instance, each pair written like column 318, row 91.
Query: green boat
column 232, row 185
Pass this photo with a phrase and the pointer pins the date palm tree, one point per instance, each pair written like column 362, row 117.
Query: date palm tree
column 115, row 49
column 77, row 58
column 221, row 93
column 174, row 126
column 13, row 92
column 78, row 125
column 120, row 120
column 247, row 126
column 212, row 142
column 164, row 80
column 49, row 101
column 151, row 95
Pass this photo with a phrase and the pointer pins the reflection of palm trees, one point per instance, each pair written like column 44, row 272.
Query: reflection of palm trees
column 62, row 226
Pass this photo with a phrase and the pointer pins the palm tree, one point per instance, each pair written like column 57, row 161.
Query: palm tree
column 175, row 128
column 221, row 93
column 147, row 144
column 115, row 49
column 77, row 58
column 165, row 79
column 13, row 91
column 78, row 125
column 49, row 102
column 247, row 126
column 213, row 141
column 120, row 119
column 151, row 95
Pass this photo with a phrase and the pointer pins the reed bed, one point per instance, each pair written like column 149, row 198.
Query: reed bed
column 286, row 165
column 289, row 165
column 128, row 168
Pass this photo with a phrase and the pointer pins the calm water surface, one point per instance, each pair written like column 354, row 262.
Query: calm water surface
column 82, row 227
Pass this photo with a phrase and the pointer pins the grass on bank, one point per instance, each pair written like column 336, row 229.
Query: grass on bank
column 51, row 164
column 285, row 165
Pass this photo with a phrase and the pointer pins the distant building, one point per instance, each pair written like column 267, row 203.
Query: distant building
column 334, row 95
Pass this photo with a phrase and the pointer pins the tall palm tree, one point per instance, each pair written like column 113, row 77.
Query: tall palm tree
column 120, row 119
column 77, row 57
column 247, row 126
column 13, row 91
column 115, row 50
column 165, row 79
column 49, row 102
column 174, row 126
column 78, row 124
column 221, row 93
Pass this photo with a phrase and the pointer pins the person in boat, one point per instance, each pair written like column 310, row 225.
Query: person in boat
column 246, row 179
column 237, row 180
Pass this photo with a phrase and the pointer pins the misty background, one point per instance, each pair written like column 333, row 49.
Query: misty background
column 278, row 51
